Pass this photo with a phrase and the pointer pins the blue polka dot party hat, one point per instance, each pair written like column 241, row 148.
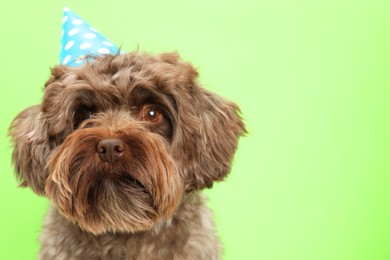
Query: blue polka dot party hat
column 80, row 40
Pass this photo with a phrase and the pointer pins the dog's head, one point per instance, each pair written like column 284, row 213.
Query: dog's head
column 118, row 142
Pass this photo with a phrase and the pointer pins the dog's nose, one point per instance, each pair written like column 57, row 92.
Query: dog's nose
column 110, row 149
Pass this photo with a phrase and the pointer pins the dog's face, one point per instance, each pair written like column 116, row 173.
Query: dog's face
column 118, row 142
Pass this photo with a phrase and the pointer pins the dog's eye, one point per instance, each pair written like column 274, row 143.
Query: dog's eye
column 151, row 114
column 80, row 116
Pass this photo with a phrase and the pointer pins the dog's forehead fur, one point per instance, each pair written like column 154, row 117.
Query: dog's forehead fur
column 111, row 79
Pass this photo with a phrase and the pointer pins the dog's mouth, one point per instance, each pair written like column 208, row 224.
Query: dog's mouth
column 116, row 185
column 120, row 180
column 129, row 180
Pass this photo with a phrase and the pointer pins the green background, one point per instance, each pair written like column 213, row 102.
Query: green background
column 310, row 181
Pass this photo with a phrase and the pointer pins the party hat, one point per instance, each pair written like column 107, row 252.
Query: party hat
column 80, row 40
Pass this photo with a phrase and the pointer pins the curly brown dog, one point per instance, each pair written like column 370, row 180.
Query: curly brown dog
column 122, row 147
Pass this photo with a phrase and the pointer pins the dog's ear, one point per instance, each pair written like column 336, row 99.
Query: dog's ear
column 213, row 139
column 31, row 141
column 31, row 148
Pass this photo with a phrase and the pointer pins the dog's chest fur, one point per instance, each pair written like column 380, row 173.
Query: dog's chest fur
column 189, row 234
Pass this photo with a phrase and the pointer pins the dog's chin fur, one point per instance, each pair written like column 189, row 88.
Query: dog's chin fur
column 145, row 204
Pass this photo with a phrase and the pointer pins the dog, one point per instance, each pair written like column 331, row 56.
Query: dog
column 122, row 147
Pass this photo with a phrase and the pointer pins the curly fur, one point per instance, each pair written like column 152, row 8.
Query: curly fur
column 146, row 204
